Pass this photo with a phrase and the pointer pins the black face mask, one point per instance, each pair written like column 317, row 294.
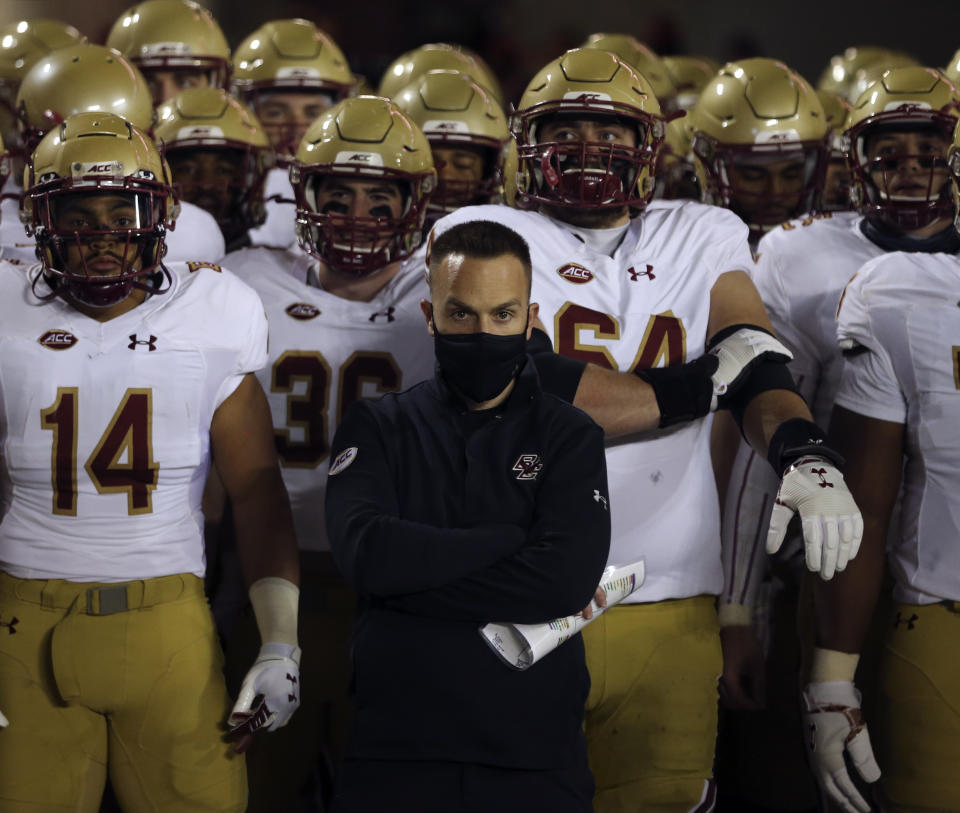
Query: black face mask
column 479, row 365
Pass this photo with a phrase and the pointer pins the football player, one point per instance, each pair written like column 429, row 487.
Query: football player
column 84, row 78
column 437, row 56
column 676, row 173
column 758, row 135
column 894, row 420
column 122, row 379
column 176, row 44
column 22, row 43
column 840, row 73
column 289, row 72
column 475, row 157
column 897, row 136
column 219, row 157
column 345, row 323
column 836, row 182
column 634, row 294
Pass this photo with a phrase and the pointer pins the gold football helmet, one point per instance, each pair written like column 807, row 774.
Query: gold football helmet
column 219, row 156
column 587, row 83
column 438, row 56
column 81, row 78
column 689, row 75
column 759, row 138
column 644, row 61
column 363, row 140
column 285, row 57
column 468, row 133
column 22, row 43
column 904, row 100
column 839, row 75
column 836, row 184
column 953, row 161
column 69, row 167
column 177, row 36
column 952, row 70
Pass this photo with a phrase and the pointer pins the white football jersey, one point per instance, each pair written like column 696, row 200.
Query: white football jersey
column 105, row 427
column 800, row 271
column 902, row 307
column 325, row 353
column 196, row 237
column 278, row 229
column 646, row 306
column 14, row 243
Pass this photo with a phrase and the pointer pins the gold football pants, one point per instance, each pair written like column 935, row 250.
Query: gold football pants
column 919, row 722
column 651, row 717
column 126, row 678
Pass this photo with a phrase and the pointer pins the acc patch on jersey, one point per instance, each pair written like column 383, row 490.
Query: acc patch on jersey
column 195, row 266
column 302, row 311
column 574, row 273
column 58, row 339
column 343, row 461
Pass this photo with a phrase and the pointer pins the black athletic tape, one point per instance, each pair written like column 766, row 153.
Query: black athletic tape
column 763, row 376
column 684, row 391
column 559, row 375
column 795, row 438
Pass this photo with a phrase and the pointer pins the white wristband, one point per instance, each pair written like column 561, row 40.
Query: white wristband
column 830, row 665
column 275, row 603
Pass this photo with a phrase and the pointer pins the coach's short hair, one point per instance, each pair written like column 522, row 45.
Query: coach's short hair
column 483, row 240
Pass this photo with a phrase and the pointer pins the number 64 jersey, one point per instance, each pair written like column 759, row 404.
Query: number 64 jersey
column 325, row 353
column 105, row 426
column 645, row 306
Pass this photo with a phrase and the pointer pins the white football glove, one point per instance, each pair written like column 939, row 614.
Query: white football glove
column 269, row 695
column 832, row 523
column 3, row 721
column 832, row 716
column 737, row 353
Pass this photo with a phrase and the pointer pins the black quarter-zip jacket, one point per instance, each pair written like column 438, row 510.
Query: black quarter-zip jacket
column 444, row 519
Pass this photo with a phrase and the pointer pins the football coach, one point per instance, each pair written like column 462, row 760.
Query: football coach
column 469, row 498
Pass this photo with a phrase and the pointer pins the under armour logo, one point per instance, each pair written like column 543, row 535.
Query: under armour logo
column 823, row 480
column 910, row 622
column 11, row 625
column 528, row 466
column 292, row 696
column 598, row 497
column 635, row 275
column 388, row 313
column 151, row 343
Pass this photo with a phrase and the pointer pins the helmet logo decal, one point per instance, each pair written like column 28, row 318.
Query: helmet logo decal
column 165, row 49
column 906, row 107
column 298, row 72
column 112, row 168
column 445, row 126
column 196, row 131
column 776, row 136
column 302, row 311
column 576, row 274
column 370, row 159
column 58, row 340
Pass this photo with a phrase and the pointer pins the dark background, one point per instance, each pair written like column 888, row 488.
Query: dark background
column 517, row 37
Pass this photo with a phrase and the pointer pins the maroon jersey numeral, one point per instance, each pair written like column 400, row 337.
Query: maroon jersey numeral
column 665, row 338
column 122, row 461
column 307, row 408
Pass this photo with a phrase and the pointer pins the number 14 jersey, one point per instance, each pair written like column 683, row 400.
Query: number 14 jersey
column 105, row 426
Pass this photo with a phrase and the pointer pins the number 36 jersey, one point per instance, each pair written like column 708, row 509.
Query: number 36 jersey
column 105, row 426
column 645, row 306
column 325, row 353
